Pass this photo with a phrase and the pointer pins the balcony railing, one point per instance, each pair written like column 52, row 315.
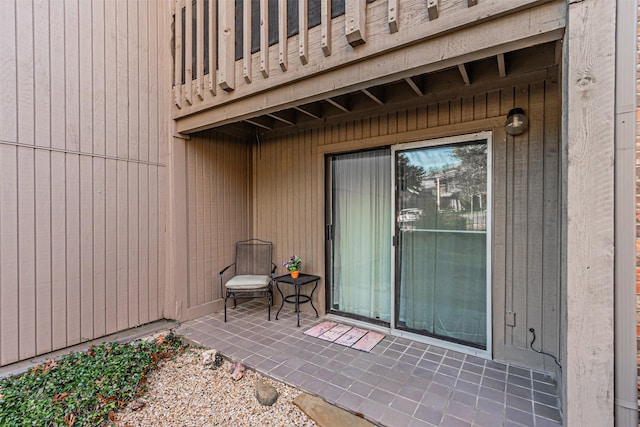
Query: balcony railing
column 226, row 50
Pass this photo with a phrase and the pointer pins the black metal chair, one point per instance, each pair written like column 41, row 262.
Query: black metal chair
column 253, row 272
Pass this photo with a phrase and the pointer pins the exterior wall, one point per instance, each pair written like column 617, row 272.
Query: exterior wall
column 638, row 207
column 218, row 179
column 84, row 119
column 289, row 197
column 588, row 217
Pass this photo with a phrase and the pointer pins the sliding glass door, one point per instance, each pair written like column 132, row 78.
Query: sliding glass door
column 360, row 246
column 408, row 238
column 441, row 207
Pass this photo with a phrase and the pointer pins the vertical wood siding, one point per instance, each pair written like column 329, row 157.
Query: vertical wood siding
column 289, row 199
column 218, row 181
column 83, row 131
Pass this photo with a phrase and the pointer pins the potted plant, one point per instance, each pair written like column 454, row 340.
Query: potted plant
column 293, row 264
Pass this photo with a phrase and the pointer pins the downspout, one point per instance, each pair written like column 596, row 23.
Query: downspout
column 626, row 404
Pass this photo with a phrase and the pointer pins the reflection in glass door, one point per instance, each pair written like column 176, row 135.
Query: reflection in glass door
column 441, row 205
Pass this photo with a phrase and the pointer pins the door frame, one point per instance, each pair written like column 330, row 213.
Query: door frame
column 484, row 353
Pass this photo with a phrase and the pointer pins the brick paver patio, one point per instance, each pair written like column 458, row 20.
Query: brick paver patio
column 399, row 383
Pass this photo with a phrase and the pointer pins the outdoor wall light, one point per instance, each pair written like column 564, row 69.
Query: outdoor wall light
column 517, row 122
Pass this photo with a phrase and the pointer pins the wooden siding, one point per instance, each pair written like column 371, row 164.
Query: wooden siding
column 218, row 182
column 83, row 135
column 300, row 69
column 289, row 199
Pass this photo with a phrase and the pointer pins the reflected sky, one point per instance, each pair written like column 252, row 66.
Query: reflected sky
column 432, row 157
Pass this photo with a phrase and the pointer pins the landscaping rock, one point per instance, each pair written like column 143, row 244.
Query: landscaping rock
column 266, row 394
column 237, row 371
column 211, row 359
column 327, row 415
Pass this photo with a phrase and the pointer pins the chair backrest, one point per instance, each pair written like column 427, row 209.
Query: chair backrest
column 253, row 256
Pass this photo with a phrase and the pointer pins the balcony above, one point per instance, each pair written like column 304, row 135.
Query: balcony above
column 265, row 77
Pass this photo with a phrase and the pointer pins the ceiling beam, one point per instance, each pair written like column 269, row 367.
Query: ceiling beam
column 502, row 69
column 412, row 84
column 259, row 122
column 463, row 72
column 309, row 110
column 338, row 105
column 280, row 118
column 376, row 94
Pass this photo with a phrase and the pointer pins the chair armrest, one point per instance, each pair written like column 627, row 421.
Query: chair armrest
column 226, row 268
column 273, row 270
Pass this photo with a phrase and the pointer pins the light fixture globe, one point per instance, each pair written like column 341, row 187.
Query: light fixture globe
column 517, row 122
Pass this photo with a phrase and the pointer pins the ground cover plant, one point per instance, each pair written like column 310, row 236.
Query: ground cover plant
column 84, row 388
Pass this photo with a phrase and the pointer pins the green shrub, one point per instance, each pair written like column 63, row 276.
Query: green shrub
column 83, row 388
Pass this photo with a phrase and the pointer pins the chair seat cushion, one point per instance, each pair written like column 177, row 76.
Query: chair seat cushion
column 248, row 282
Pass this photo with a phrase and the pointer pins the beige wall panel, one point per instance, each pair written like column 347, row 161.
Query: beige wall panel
column 143, row 76
column 153, row 78
column 26, row 253
column 8, row 72
column 143, row 244
column 111, row 82
column 154, row 242
column 133, row 78
column 218, row 212
column 25, row 73
column 42, row 74
column 98, row 251
column 192, row 223
column 43, row 251
column 209, row 277
column 111, row 246
column 9, row 291
column 122, row 79
column 57, row 70
column 86, row 248
column 98, row 71
column 535, row 211
column 71, row 76
column 82, row 143
column 72, row 192
column 551, row 239
column 133, row 245
column 122, row 241
column 84, row 74
column 58, row 251
column 519, row 227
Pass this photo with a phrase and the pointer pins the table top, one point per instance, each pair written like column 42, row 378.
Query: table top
column 303, row 279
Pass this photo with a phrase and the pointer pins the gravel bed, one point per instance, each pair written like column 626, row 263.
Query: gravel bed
column 184, row 392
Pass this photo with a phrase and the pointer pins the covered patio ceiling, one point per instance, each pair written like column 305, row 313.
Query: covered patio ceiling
column 522, row 66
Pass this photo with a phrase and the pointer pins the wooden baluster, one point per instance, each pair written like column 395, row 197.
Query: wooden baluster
column 303, row 35
column 282, row 28
column 226, row 48
column 213, row 31
column 392, row 15
column 188, row 50
column 199, row 48
column 177, row 83
column 264, row 38
column 246, row 40
column 355, row 21
column 325, row 25
column 432, row 9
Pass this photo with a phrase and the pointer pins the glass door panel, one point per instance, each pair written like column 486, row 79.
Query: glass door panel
column 441, row 255
column 360, row 282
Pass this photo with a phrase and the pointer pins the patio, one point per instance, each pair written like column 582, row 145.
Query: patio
column 399, row 383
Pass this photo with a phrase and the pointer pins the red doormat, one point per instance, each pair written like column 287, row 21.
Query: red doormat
column 357, row 338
